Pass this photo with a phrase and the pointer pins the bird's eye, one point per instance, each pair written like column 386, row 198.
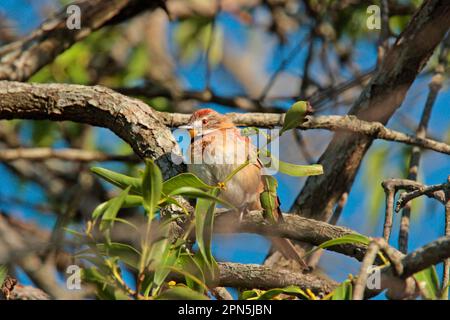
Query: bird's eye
column 204, row 121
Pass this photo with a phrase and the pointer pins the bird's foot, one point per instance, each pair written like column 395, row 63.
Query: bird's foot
column 241, row 215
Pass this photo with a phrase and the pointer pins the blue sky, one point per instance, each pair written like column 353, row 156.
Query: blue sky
column 427, row 222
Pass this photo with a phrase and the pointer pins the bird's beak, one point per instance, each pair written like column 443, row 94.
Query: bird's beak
column 190, row 129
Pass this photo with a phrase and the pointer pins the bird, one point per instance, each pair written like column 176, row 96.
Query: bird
column 217, row 151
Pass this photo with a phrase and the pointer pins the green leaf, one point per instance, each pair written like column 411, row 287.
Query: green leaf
column 159, row 258
column 291, row 169
column 347, row 239
column 249, row 294
column 152, row 183
column 181, row 293
column 344, row 291
column 204, row 220
column 192, row 266
column 120, row 180
column 272, row 293
column 444, row 291
column 191, row 192
column 430, row 278
column 184, row 180
column 126, row 253
column 297, row 170
column 168, row 260
column 112, row 210
column 3, row 274
column 268, row 197
column 294, row 116
column 93, row 275
column 129, row 202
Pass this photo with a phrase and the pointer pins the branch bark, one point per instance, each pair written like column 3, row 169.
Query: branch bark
column 237, row 275
column 292, row 227
column 145, row 129
column 132, row 120
column 21, row 59
column 348, row 123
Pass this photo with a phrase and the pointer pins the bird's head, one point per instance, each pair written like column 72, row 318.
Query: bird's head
column 205, row 121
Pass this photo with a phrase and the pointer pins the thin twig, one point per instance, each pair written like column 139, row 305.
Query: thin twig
column 389, row 212
column 369, row 258
column 430, row 191
column 315, row 257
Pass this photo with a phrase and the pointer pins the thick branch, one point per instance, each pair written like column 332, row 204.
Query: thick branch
column 132, row 120
column 21, row 59
column 239, row 275
column 293, row 227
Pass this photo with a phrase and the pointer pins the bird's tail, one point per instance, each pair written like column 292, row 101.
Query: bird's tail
column 287, row 248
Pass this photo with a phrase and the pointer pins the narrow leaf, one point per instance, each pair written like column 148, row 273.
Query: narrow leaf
column 3, row 274
column 291, row 169
column 151, row 186
column 112, row 210
column 181, row 293
column 120, row 180
column 191, row 192
column 204, row 220
column 129, row 202
column 184, row 180
column 347, row 239
column 343, row 292
column 126, row 253
column 430, row 279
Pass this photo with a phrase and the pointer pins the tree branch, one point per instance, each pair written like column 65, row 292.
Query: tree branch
column 430, row 191
column 378, row 102
column 132, row 120
column 292, row 227
column 21, row 59
column 237, row 275
column 334, row 123
column 428, row 255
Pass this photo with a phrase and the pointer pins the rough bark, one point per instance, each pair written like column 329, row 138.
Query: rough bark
column 292, row 227
column 21, row 59
column 132, row 120
column 334, row 123
column 239, row 275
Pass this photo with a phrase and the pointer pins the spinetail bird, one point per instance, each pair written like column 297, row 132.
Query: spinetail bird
column 216, row 151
